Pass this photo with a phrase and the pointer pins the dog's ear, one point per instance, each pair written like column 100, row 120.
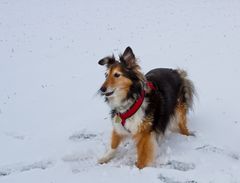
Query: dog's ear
column 108, row 61
column 128, row 59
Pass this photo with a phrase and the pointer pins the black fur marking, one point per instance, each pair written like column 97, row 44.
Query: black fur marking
column 128, row 59
column 107, row 61
column 129, row 73
column 113, row 113
column 163, row 101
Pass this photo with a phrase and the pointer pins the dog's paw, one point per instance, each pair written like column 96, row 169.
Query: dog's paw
column 141, row 165
column 104, row 160
column 193, row 133
column 108, row 156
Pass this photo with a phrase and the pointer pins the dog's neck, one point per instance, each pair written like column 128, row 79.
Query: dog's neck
column 121, row 105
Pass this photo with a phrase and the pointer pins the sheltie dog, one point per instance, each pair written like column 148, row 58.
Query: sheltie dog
column 142, row 106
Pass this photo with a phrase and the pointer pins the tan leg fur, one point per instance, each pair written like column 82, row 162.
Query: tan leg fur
column 182, row 119
column 115, row 141
column 145, row 142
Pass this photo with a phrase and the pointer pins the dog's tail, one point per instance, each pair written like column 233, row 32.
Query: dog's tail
column 187, row 91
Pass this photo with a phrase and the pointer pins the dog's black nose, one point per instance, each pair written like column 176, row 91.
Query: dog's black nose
column 103, row 89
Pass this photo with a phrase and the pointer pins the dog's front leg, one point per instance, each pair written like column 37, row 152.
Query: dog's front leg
column 146, row 149
column 115, row 141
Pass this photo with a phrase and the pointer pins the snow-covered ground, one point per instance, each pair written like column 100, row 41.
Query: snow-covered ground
column 53, row 126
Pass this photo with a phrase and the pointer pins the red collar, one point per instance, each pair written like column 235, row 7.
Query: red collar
column 134, row 108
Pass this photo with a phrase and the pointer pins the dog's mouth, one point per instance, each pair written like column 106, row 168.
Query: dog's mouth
column 108, row 94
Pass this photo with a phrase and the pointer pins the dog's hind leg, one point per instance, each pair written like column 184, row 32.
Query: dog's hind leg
column 185, row 102
column 115, row 141
column 181, row 113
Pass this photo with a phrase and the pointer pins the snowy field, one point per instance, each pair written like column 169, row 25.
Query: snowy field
column 53, row 125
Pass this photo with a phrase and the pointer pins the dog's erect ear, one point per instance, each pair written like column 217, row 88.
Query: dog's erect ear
column 108, row 61
column 128, row 59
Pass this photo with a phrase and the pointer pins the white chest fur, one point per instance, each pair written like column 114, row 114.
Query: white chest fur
column 132, row 124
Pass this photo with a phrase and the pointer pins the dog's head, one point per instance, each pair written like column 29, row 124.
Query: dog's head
column 123, row 77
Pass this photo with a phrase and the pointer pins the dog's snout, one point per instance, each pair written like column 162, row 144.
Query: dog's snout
column 103, row 89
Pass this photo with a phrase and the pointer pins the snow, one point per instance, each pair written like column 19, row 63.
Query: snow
column 54, row 126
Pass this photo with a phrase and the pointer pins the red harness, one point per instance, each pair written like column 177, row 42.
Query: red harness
column 130, row 112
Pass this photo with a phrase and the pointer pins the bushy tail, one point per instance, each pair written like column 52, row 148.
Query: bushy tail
column 187, row 91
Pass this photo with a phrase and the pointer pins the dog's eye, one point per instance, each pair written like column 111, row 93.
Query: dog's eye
column 106, row 75
column 116, row 75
